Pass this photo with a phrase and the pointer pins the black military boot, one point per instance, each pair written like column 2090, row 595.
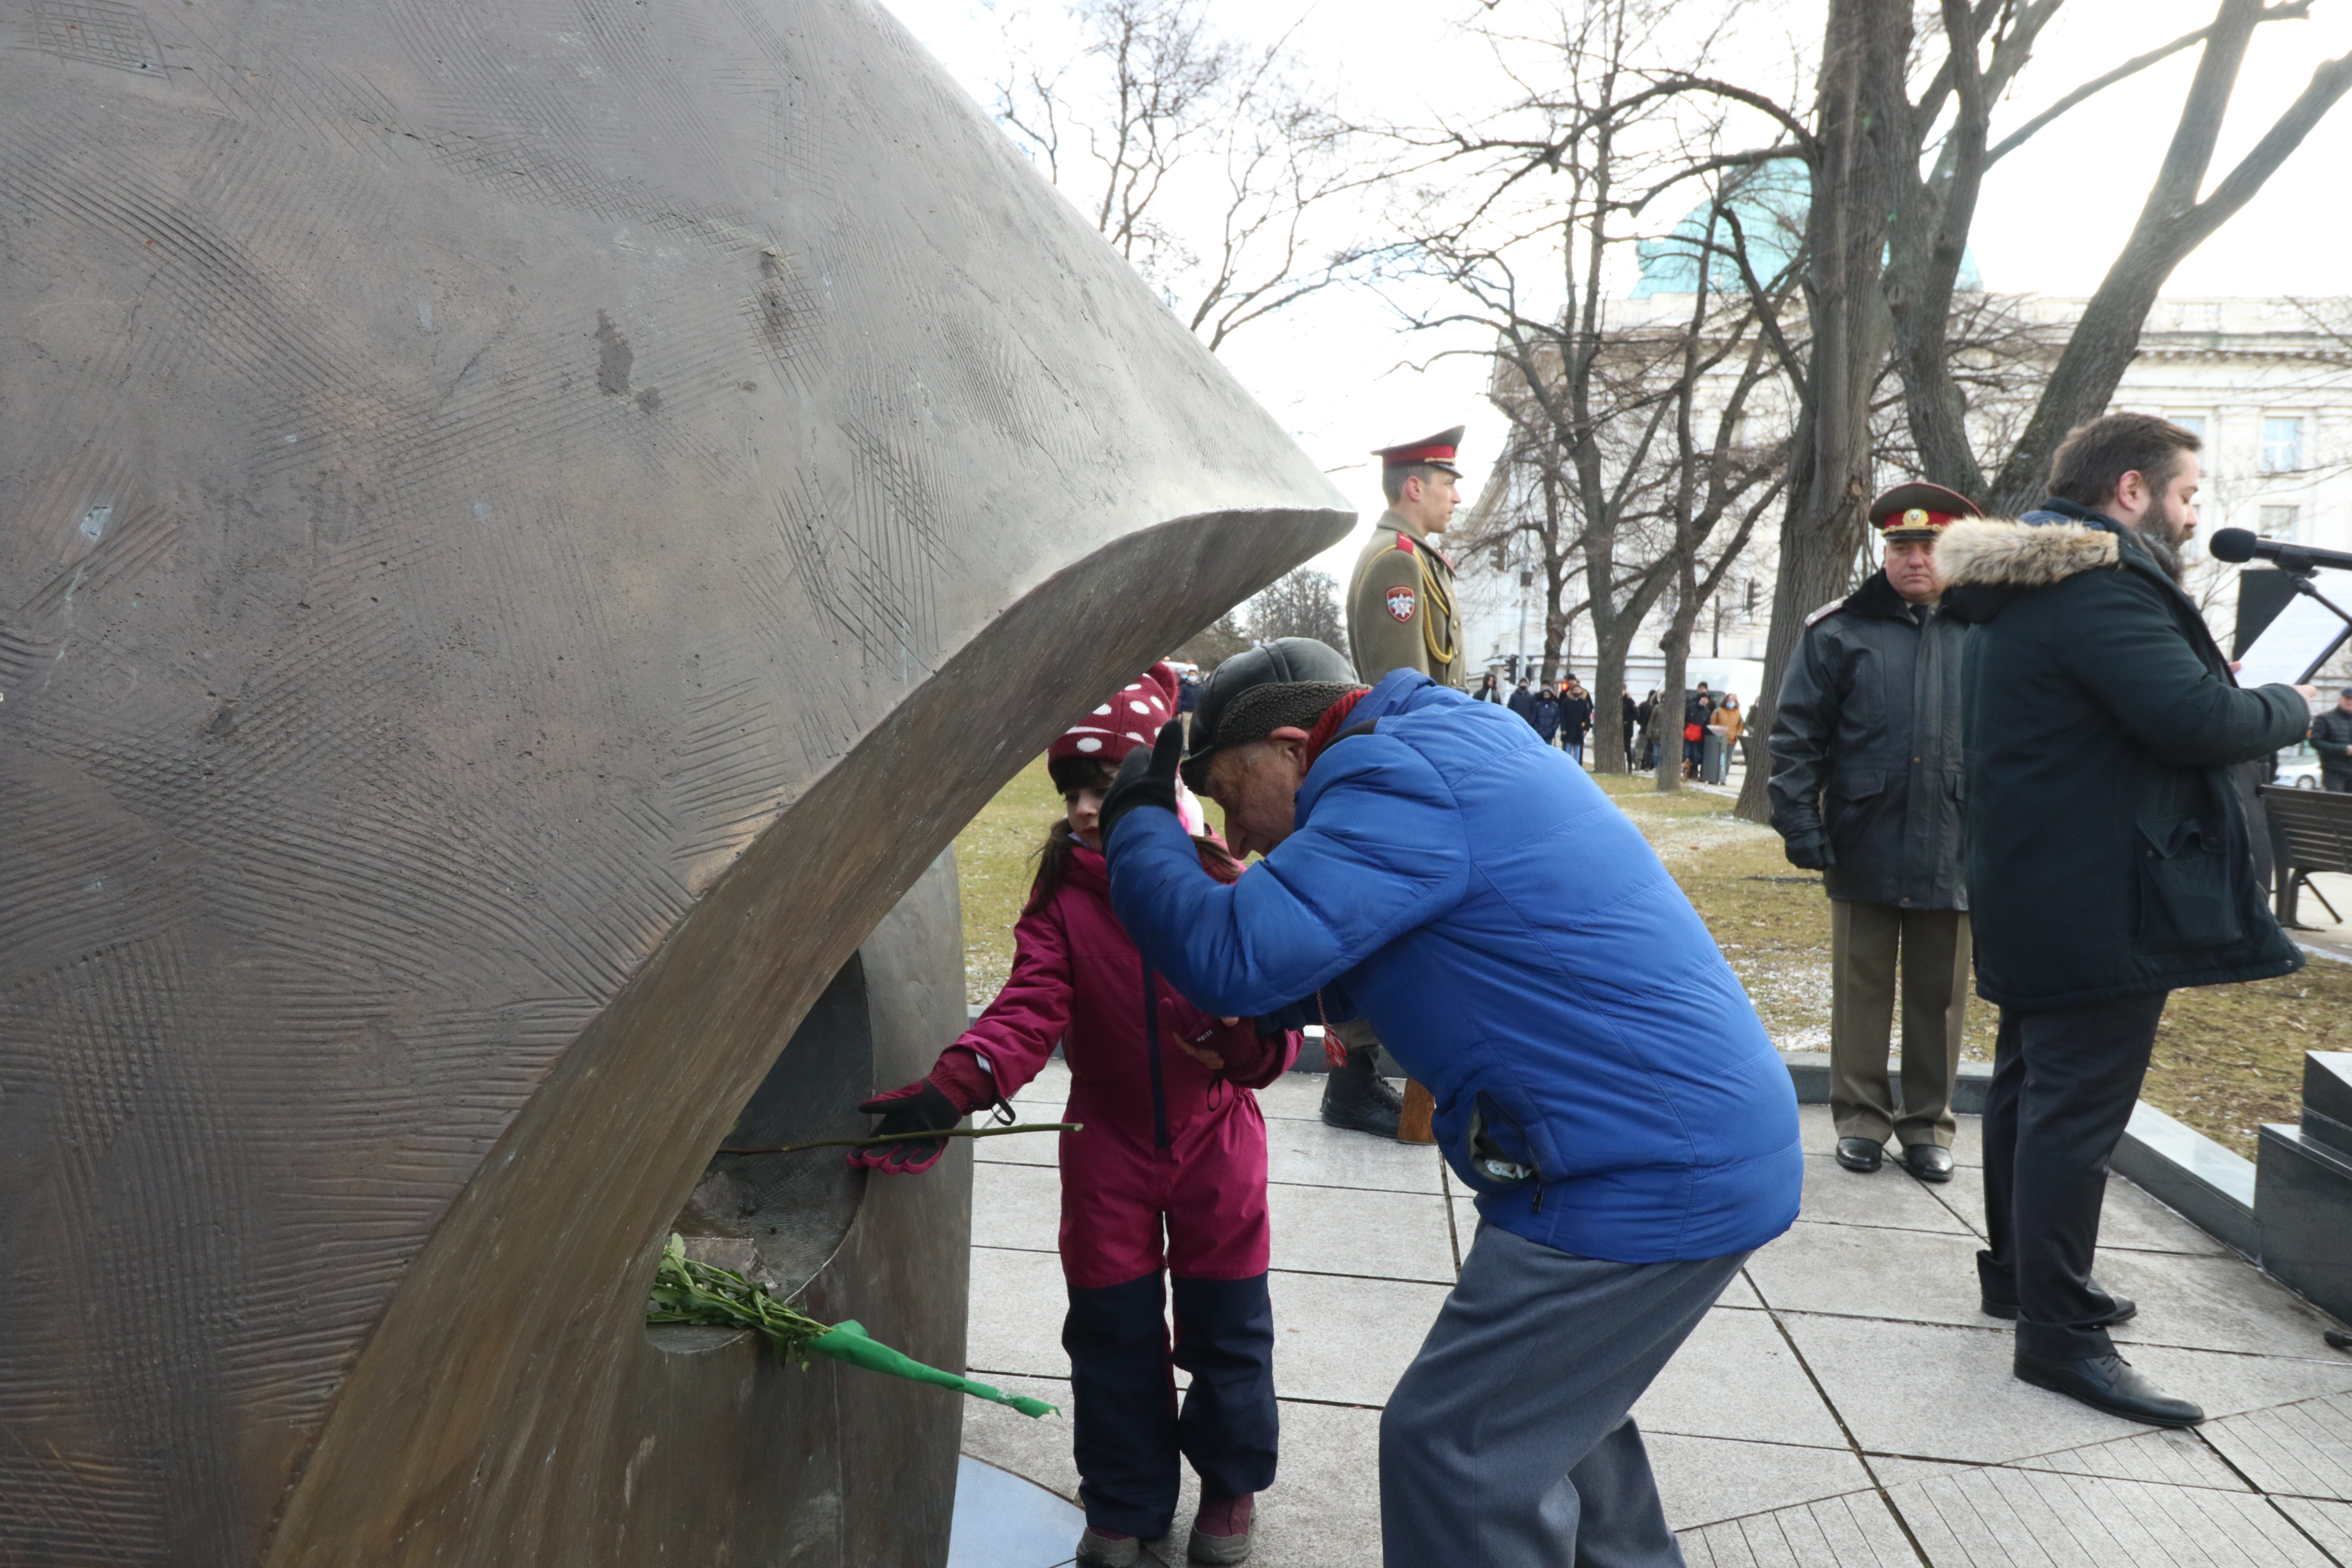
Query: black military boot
column 1357, row 1098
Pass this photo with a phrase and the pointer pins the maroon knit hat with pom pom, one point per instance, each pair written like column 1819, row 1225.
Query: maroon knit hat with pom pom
column 1132, row 718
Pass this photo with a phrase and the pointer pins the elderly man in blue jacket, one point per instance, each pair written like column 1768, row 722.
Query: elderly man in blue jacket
column 1605, row 1089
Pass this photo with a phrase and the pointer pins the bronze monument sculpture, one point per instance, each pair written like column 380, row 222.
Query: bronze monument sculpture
column 528, row 527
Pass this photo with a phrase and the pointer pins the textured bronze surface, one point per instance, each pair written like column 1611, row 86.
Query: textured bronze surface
column 525, row 527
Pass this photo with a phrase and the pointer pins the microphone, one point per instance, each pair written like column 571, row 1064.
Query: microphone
column 2244, row 544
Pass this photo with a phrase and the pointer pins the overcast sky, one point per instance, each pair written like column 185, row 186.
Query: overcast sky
column 1340, row 376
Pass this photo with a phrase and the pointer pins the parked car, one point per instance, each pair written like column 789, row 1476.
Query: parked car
column 2299, row 767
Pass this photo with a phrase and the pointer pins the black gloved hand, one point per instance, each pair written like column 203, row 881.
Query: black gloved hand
column 1810, row 851
column 1144, row 780
column 920, row 1107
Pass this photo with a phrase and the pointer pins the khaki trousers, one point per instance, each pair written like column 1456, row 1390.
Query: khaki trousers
column 1864, row 941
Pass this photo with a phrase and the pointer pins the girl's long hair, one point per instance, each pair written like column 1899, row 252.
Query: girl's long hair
column 1053, row 863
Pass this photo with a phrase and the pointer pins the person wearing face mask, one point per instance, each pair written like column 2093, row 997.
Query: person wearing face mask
column 2109, row 858
column 1865, row 789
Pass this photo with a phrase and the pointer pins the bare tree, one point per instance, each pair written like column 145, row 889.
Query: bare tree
column 1895, row 183
column 1303, row 603
column 1213, row 643
column 1206, row 162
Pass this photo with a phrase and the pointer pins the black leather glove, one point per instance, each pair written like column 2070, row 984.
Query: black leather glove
column 1144, row 780
column 1810, row 851
column 920, row 1107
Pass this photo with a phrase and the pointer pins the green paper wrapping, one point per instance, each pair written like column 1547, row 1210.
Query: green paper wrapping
column 847, row 1342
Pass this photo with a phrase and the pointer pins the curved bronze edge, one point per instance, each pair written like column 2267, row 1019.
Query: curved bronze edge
column 482, row 1419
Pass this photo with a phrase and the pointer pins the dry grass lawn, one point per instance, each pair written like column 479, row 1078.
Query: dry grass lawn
column 2228, row 1057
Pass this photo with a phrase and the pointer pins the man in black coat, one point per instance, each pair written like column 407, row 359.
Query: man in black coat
column 2331, row 738
column 2109, row 859
column 1865, row 789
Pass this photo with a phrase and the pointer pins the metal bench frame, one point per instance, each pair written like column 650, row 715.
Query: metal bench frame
column 2311, row 830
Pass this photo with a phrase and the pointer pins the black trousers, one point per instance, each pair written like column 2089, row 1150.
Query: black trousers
column 1128, row 1430
column 2063, row 1084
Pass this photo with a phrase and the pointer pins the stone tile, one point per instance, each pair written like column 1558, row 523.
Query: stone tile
column 1037, row 1451
column 1963, row 1197
column 2228, row 1385
column 1028, row 1149
column 1324, row 1507
column 2133, row 1220
column 1042, row 1097
column 1739, row 1293
column 1004, row 1520
column 1886, row 1198
column 1014, row 1323
column 2328, row 1523
column 1855, row 1530
column 2171, row 1458
column 2303, row 1449
column 1995, row 1516
column 1910, row 1274
column 1940, row 1392
column 1819, row 1135
column 1735, row 1377
column 1704, row 1481
column 1311, row 1155
column 1389, row 1235
column 1295, row 1097
column 1016, row 1206
column 1894, row 1468
column 1346, row 1341
column 2211, row 1303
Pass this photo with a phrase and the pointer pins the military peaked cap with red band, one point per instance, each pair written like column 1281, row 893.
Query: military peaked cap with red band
column 1919, row 511
column 1437, row 451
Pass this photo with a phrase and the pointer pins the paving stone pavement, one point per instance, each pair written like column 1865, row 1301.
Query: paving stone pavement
column 1844, row 1406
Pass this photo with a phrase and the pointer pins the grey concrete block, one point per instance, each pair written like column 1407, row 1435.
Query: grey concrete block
column 1996, row 1516
column 1334, row 1230
column 2328, row 1523
column 1310, row 1154
column 1015, row 1323
column 1346, row 1341
column 2189, row 1172
column 2328, row 1091
column 1855, row 1530
column 2210, row 1303
column 2174, row 1459
column 1014, row 1206
column 1736, row 1378
column 2304, row 1205
column 2227, row 1384
column 1903, row 1274
column 1886, row 1198
column 1706, row 1481
column 2136, row 1221
column 1324, row 1507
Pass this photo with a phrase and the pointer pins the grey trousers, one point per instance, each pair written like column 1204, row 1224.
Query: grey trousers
column 1507, row 1443
column 1863, row 941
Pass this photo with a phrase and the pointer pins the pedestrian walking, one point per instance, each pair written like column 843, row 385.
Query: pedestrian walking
column 1630, row 716
column 2331, row 738
column 1722, row 733
column 1575, row 719
column 1521, row 701
column 2109, row 859
column 1543, row 713
column 1603, row 1084
column 1865, row 788
column 1163, row 1188
column 1697, row 709
column 1489, row 690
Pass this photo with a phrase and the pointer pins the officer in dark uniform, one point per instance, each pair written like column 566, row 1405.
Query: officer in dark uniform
column 1866, row 789
column 2331, row 739
column 1401, row 615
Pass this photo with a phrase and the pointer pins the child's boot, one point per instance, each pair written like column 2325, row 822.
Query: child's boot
column 1108, row 1549
column 1221, row 1531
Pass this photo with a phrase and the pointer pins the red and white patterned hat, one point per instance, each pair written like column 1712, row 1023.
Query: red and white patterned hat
column 1132, row 718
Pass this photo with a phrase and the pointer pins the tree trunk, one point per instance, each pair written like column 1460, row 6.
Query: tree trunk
column 1861, row 107
column 1607, row 752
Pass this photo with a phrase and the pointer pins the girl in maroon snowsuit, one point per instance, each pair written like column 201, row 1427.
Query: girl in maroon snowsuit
column 1172, row 1144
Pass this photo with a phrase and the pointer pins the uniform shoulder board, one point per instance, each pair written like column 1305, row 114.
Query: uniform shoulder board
column 1824, row 613
column 1404, row 542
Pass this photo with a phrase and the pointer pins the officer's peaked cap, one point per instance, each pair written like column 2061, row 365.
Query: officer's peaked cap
column 1285, row 661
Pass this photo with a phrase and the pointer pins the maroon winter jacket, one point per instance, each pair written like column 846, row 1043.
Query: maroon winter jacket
column 1163, row 1135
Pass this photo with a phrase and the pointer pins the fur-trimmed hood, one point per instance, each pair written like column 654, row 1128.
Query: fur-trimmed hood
column 1995, row 551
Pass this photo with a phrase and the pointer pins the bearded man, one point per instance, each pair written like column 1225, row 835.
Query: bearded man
column 1602, row 1082
column 2109, row 859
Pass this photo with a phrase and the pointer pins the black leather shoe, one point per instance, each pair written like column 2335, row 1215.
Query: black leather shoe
column 2108, row 1382
column 1928, row 1163
column 1356, row 1099
column 1860, row 1154
column 2124, row 1311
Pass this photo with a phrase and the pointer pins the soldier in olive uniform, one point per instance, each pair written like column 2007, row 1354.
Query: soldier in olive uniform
column 1401, row 615
column 1400, row 612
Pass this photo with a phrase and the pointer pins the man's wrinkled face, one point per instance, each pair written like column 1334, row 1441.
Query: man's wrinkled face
column 1256, row 786
column 1911, row 570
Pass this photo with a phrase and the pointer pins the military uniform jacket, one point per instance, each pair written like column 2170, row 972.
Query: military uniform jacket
column 1401, row 612
column 1866, row 748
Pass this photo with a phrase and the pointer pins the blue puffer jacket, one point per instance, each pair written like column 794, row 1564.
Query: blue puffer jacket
column 1602, row 1080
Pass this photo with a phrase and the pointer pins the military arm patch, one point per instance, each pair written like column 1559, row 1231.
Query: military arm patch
column 1402, row 601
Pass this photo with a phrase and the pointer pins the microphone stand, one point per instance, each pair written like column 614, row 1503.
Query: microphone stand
column 2300, row 567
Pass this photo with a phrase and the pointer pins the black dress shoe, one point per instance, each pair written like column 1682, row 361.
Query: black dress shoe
column 2108, row 1382
column 1356, row 1099
column 1928, row 1163
column 1860, row 1153
column 2120, row 1309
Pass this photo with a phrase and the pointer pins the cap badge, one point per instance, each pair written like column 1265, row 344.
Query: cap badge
column 1916, row 517
column 1401, row 603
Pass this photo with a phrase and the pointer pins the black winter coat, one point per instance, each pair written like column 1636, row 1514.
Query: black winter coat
column 2331, row 739
column 1544, row 714
column 1866, row 749
column 2108, row 848
column 1575, row 717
